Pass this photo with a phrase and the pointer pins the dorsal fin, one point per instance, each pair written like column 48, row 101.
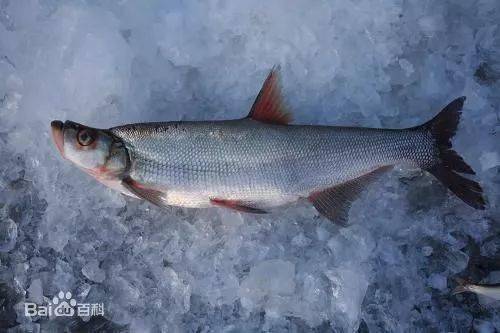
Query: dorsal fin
column 268, row 106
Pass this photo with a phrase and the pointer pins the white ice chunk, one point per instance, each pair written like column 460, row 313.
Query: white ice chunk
column 35, row 291
column 489, row 160
column 92, row 271
column 8, row 234
column 301, row 240
column 427, row 250
column 406, row 66
column 483, row 326
column 437, row 281
column 348, row 288
column 266, row 280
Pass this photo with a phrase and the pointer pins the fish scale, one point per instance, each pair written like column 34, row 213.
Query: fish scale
column 255, row 162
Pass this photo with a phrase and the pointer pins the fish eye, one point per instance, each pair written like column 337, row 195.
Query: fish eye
column 85, row 137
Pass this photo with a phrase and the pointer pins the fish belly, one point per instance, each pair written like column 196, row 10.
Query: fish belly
column 195, row 199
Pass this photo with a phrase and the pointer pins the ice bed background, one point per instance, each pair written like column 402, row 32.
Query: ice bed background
column 389, row 63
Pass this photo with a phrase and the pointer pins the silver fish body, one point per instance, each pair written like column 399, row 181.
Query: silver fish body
column 264, row 164
column 262, row 161
column 492, row 291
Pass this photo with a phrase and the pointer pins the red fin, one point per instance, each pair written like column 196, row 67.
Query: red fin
column 143, row 192
column 334, row 202
column 268, row 106
column 236, row 205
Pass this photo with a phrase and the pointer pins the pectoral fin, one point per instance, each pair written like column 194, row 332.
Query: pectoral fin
column 334, row 202
column 236, row 205
column 143, row 192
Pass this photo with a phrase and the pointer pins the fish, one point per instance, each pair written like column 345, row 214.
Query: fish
column 490, row 291
column 262, row 161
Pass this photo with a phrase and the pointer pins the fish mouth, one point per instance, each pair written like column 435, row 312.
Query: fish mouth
column 58, row 135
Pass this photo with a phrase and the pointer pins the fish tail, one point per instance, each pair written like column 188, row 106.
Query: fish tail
column 442, row 128
column 461, row 287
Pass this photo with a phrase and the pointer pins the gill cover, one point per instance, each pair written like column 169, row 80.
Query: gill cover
column 96, row 151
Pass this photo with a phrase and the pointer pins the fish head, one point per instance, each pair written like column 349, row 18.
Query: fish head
column 96, row 151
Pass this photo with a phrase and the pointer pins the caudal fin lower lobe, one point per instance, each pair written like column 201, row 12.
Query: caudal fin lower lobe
column 442, row 128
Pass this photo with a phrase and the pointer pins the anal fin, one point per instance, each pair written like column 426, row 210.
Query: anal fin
column 236, row 205
column 153, row 196
column 334, row 202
